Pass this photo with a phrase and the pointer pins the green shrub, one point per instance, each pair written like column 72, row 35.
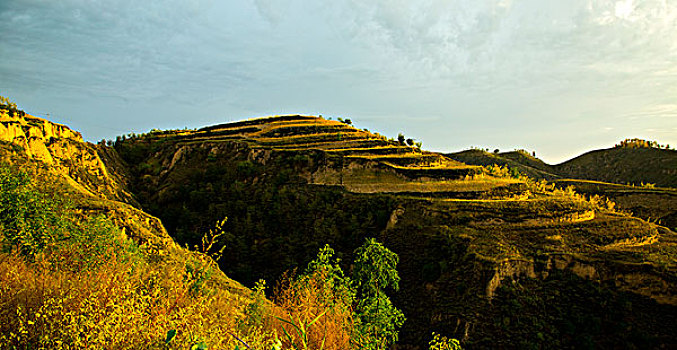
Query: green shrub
column 32, row 222
column 29, row 219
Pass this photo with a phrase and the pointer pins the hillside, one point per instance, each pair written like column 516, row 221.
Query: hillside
column 523, row 163
column 492, row 258
column 82, row 266
column 634, row 178
column 624, row 165
column 481, row 252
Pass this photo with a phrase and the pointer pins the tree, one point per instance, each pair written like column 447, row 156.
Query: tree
column 375, row 270
column 335, row 279
column 377, row 319
column 400, row 138
column 5, row 102
column 410, row 142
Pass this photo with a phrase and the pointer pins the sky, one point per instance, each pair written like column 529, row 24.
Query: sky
column 556, row 77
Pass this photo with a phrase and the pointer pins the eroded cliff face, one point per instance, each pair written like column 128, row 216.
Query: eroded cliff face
column 64, row 152
column 61, row 160
column 482, row 274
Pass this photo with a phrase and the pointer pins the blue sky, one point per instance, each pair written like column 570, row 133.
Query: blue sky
column 558, row 77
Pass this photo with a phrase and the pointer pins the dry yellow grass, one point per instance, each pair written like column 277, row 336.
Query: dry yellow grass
column 431, row 186
column 119, row 305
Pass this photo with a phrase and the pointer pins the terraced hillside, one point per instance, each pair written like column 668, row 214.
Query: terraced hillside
column 495, row 260
column 631, row 175
column 358, row 160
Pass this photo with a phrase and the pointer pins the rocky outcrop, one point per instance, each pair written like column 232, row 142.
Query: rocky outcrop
column 64, row 152
column 95, row 176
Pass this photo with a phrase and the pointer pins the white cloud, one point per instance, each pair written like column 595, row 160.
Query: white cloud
column 623, row 9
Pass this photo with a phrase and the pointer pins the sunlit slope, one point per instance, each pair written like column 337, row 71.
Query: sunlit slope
column 92, row 179
column 518, row 161
column 471, row 238
column 622, row 165
column 340, row 154
column 651, row 203
column 634, row 178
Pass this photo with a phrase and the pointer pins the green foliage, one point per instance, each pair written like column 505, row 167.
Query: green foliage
column 5, row 102
column 88, row 239
column 340, row 284
column 443, row 343
column 9, row 107
column 171, row 334
column 256, row 311
column 29, row 220
column 400, row 138
column 32, row 222
column 375, row 270
column 378, row 320
column 345, row 121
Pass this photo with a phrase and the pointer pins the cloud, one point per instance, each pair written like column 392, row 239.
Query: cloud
column 527, row 65
column 666, row 111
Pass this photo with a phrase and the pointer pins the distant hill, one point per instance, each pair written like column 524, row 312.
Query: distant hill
column 624, row 165
column 621, row 165
column 626, row 174
column 520, row 161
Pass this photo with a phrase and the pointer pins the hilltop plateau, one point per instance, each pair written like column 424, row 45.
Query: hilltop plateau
column 487, row 255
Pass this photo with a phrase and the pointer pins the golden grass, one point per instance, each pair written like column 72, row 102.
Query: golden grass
column 304, row 300
column 119, row 305
column 431, row 186
column 132, row 304
column 443, row 165
column 327, row 145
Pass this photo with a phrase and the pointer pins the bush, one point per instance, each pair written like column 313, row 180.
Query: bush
column 29, row 220
column 443, row 343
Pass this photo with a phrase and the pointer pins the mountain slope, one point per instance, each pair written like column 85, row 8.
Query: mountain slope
column 624, row 165
column 476, row 245
column 113, row 278
column 628, row 176
column 527, row 165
